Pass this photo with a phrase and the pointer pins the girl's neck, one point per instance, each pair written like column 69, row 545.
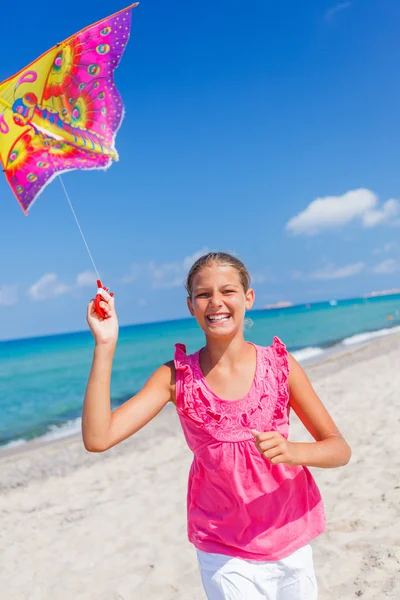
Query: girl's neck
column 225, row 350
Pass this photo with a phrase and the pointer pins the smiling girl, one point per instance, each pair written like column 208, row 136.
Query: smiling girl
column 253, row 506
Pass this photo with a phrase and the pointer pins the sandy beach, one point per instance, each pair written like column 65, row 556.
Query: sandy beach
column 78, row 526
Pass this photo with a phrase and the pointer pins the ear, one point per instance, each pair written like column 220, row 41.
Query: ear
column 189, row 305
column 250, row 297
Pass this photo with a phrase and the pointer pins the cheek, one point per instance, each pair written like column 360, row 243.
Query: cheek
column 199, row 306
column 238, row 302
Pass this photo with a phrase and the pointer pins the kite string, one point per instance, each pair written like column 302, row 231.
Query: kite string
column 79, row 227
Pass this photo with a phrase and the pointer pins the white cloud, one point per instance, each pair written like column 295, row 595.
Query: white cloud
column 332, row 212
column 389, row 209
column 386, row 248
column 330, row 271
column 172, row 274
column 164, row 270
column 166, row 275
column 387, row 266
column 336, row 9
column 190, row 260
column 8, row 295
column 86, row 279
column 48, row 286
column 163, row 275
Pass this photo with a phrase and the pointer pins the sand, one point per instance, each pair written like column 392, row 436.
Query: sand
column 78, row 526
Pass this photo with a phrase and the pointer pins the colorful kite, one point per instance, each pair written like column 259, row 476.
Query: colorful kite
column 62, row 112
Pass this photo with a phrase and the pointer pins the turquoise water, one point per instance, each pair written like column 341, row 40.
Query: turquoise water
column 42, row 380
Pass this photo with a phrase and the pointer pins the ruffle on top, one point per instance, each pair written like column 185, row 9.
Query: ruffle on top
column 265, row 406
column 281, row 415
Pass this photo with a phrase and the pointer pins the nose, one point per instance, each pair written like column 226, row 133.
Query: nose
column 215, row 301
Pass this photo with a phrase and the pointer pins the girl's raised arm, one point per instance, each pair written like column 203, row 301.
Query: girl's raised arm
column 102, row 428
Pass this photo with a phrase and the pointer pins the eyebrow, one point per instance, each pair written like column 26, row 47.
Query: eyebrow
column 226, row 285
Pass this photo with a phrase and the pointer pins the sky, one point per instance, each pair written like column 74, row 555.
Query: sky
column 266, row 129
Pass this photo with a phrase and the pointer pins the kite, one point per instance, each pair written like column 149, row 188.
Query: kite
column 63, row 111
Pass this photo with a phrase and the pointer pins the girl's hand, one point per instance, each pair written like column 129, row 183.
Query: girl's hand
column 105, row 331
column 275, row 448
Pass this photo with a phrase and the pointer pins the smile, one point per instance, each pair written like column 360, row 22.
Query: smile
column 221, row 318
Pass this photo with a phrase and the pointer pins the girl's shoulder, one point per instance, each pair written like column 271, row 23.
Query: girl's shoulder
column 165, row 377
column 170, row 368
column 165, row 373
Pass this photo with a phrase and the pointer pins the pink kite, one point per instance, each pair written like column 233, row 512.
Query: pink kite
column 63, row 111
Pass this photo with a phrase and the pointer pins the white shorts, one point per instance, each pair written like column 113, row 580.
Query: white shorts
column 228, row 578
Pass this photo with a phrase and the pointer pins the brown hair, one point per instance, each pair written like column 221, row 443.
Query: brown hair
column 218, row 258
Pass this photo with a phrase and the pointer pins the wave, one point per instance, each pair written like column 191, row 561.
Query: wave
column 65, row 430
column 13, row 444
column 361, row 338
column 54, row 432
column 307, row 353
column 47, row 431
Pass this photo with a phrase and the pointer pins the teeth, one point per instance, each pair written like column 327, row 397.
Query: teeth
column 218, row 318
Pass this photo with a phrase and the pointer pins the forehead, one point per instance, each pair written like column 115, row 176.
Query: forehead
column 216, row 274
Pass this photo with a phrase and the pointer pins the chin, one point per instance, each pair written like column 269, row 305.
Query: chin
column 220, row 332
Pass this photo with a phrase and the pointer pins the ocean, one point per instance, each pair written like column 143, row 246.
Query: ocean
column 42, row 380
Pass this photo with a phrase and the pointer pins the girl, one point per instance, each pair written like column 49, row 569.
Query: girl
column 253, row 506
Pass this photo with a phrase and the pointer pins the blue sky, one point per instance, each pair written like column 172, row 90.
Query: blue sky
column 269, row 129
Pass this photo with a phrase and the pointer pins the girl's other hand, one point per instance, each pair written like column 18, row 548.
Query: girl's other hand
column 105, row 331
column 274, row 447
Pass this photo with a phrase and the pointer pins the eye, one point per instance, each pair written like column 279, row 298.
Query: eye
column 202, row 295
column 229, row 291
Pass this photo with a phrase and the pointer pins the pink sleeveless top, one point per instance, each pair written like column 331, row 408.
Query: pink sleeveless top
column 238, row 503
